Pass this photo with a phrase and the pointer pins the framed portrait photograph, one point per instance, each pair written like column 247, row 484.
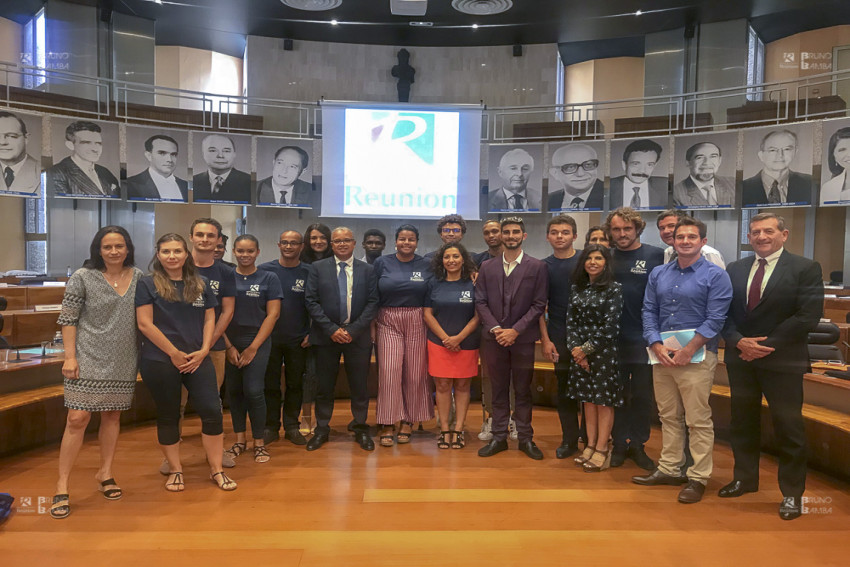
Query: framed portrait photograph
column 285, row 173
column 20, row 154
column 576, row 177
column 515, row 178
column 834, row 183
column 85, row 159
column 777, row 167
column 639, row 174
column 704, row 171
column 222, row 168
column 157, row 165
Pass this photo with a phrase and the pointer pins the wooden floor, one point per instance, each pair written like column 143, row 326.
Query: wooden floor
column 408, row 505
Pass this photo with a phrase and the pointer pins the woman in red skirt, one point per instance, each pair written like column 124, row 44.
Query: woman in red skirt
column 453, row 336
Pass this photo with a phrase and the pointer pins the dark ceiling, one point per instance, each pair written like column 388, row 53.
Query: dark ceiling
column 595, row 28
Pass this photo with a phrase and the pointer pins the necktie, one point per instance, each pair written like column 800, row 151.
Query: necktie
column 9, row 177
column 635, row 203
column 576, row 203
column 218, row 183
column 674, row 256
column 283, row 197
column 774, row 196
column 754, row 296
column 343, row 293
column 712, row 195
column 518, row 204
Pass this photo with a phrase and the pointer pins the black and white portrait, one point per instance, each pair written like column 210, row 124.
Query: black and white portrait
column 221, row 164
column 85, row 159
column 835, row 183
column 157, row 165
column 639, row 174
column 777, row 166
column 576, row 174
column 285, row 172
column 515, row 178
column 20, row 154
column 704, row 171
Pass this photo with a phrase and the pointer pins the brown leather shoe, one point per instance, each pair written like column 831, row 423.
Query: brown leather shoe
column 692, row 493
column 658, row 478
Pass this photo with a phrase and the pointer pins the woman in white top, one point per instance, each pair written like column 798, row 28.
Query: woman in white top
column 837, row 189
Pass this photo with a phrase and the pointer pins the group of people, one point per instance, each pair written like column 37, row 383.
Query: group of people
column 620, row 320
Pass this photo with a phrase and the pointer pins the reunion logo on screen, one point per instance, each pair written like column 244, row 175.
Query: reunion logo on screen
column 401, row 163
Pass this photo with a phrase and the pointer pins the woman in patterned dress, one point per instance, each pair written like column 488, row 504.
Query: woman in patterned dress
column 98, row 322
column 592, row 327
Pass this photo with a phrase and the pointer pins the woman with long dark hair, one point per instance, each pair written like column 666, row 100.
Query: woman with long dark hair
column 453, row 336
column 99, row 333
column 837, row 189
column 176, row 315
column 593, row 324
column 257, row 309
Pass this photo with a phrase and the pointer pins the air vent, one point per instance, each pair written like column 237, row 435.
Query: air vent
column 313, row 5
column 482, row 7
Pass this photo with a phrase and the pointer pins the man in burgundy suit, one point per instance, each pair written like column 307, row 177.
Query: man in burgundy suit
column 510, row 296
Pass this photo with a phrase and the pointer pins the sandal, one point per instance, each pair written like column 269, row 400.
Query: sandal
column 458, row 443
column 402, row 436
column 175, row 482
column 237, row 449
column 386, row 438
column 223, row 481
column 600, row 461
column 585, row 456
column 110, row 493
column 443, row 440
column 261, row 454
column 61, row 507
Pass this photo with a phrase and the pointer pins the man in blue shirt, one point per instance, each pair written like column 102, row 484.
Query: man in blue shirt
column 690, row 293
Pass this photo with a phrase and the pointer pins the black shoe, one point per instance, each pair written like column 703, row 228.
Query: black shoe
column 641, row 459
column 317, row 441
column 530, row 449
column 618, row 456
column 659, row 478
column 493, row 447
column 270, row 436
column 790, row 508
column 565, row 451
column 735, row 489
column 351, row 425
column 364, row 440
column 294, row 437
column 692, row 493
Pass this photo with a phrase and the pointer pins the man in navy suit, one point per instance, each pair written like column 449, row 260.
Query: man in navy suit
column 342, row 299
column 637, row 189
column 221, row 181
column 284, row 186
column 776, row 183
column 79, row 174
column 510, row 297
column 777, row 299
column 575, row 167
column 158, row 180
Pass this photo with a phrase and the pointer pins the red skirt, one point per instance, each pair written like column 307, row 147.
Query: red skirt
column 443, row 363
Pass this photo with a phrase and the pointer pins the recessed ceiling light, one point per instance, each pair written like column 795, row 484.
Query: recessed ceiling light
column 482, row 7
column 475, row 26
column 421, row 24
column 313, row 5
column 334, row 22
column 638, row 13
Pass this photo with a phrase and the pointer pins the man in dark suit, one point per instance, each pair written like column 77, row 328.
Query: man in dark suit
column 637, row 189
column 776, row 183
column 342, row 299
column 221, row 182
column 20, row 172
column 575, row 167
column 515, row 168
column 777, row 300
column 79, row 174
column 158, row 180
column 284, row 186
column 703, row 187
column 510, row 297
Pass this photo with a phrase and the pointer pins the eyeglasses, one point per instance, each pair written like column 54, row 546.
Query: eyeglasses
column 569, row 168
column 285, row 243
column 339, row 241
column 451, row 230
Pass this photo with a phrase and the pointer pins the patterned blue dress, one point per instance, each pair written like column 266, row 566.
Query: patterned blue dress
column 593, row 324
column 107, row 343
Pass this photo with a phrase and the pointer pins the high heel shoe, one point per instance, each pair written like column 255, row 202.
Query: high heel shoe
column 585, row 456
column 600, row 461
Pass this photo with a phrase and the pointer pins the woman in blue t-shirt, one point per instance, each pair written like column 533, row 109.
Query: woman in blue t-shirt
column 403, row 391
column 258, row 296
column 175, row 313
column 453, row 336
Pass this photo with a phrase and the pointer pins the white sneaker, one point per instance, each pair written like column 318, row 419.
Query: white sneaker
column 512, row 428
column 486, row 433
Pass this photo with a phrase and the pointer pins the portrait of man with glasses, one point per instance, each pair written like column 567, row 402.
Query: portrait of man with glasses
column 574, row 183
column 776, row 184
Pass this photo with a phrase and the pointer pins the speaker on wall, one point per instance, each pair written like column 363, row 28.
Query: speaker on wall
column 517, row 50
column 288, row 45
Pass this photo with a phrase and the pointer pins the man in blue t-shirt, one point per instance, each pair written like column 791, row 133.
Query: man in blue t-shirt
column 561, row 233
column 633, row 261
column 451, row 228
column 289, row 341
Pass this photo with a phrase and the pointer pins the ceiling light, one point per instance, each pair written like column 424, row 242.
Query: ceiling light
column 475, row 26
column 482, row 7
column 421, row 24
column 313, row 5
column 334, row 22
column 638, row 13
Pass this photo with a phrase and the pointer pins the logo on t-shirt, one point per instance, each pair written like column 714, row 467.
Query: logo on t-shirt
column 214, row 285
column 466, row 297
column 416, row 277
column 199, row 301
column 299, row 286
column 639, row 267
column 253, row 290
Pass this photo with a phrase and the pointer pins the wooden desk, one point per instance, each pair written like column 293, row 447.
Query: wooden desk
column 836, row 309
column 44, row 295
column 16, row 297
column 28, row 327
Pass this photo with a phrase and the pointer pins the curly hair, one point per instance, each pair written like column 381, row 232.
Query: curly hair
column 629, row 215
column 467, row 269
